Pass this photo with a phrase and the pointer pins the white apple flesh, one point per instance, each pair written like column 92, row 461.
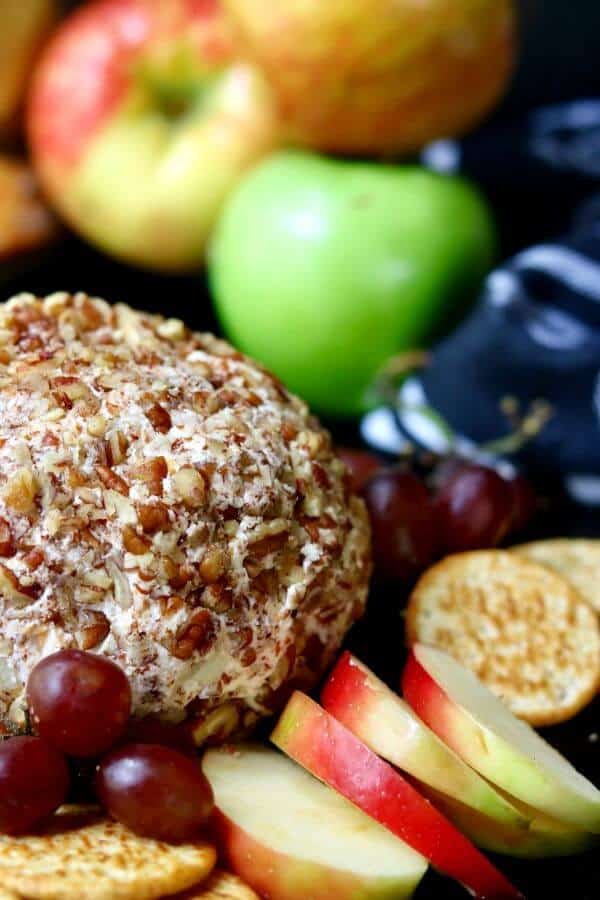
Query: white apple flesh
column 157, row 122
column 502, row 748
column 313, row 738
column 386, row 724
column 291, row 837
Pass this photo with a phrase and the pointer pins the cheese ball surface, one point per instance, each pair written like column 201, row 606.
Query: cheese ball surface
column 165, row 502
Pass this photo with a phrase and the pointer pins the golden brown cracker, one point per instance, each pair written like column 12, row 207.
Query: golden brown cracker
column 83, row 854
column 576, row 559
column 524, row 631
column 220, row 886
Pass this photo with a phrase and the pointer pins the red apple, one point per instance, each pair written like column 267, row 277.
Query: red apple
column 321, row 744
column 140, row 122
column 23, row 25
column 367, row 76
column 505, row 750
column 386, row 724
column 292, row 838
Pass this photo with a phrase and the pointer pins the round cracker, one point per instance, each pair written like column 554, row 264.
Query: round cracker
column 524, row 631
column 576, row 559
column 84, row 854
column 220, row 886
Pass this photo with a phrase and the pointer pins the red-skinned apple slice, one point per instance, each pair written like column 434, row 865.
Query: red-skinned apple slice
column 311, row 736
column 505, row 750
column 291, row 837
column 545, row 837
column 386, row 724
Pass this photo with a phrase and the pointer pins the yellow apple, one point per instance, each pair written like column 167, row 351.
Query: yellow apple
column 378, row 76
column 22, row 25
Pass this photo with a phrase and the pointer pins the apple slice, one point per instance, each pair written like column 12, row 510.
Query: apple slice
column 386, row 724
column 321, row 744
column 291, row 837
column 545, row 837
column 502, row 748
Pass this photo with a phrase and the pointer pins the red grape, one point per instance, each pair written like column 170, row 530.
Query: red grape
column 361, row 466
column 474, row 508
column 34, row 781
column 402, row 523
column 524, row 502
column 79, row 702
column 155, row 791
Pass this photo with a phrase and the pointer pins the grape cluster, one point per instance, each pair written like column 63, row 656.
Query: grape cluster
column 470, row 507
column 80, row 706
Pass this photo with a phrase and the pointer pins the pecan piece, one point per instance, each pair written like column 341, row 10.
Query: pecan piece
column 152, row 473
column 20, row 492
column 134, row 542
column 213, row 565
column 216, row 725
column 67, row 390
column 321, row 476
column 268, row 544
column 217, row 597
column 159, row 417
column 34, row 558
column 7, row 541
column 95, row 629
column 153, row 517
column 111, row 480
column 190, row 486
column 12, row 589
column 170, row 605
column 196, row 636
column 178, row 575
column 116, row 447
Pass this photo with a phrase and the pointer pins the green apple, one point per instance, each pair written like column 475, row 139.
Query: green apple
column 141, row 119
column 323, row 269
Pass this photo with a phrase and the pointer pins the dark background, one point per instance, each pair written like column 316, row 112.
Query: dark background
column 560, row 60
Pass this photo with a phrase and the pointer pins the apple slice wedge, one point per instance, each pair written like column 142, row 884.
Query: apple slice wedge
column 386, row 724
column 502, row 748
column 291, row 837
column 321, row 744
column 544, row 838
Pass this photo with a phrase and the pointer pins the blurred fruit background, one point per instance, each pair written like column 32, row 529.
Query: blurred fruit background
column 164, row 136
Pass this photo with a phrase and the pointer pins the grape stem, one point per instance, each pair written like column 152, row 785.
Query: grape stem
column 524, row 426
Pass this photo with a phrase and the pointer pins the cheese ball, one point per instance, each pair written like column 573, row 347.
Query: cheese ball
column 165, row 502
